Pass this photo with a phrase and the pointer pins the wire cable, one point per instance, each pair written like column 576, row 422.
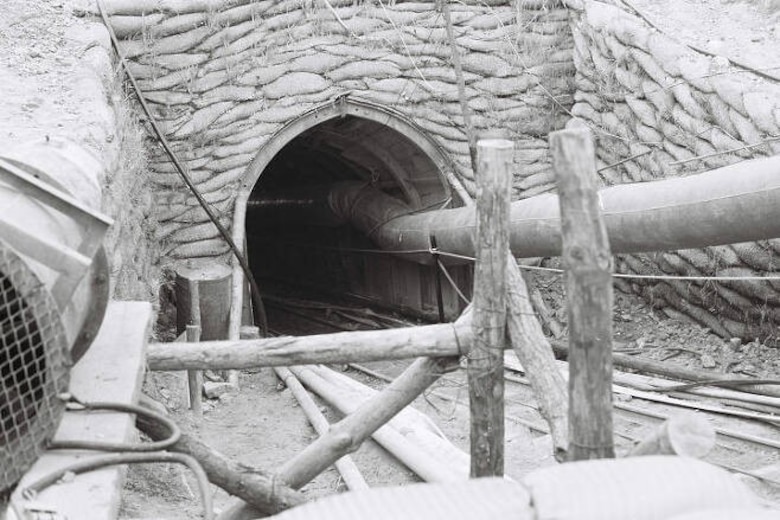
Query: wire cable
column 73, row 404
column 260, row 315
column 82, row 466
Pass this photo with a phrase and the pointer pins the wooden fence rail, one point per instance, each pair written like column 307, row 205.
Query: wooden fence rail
column 343, row 347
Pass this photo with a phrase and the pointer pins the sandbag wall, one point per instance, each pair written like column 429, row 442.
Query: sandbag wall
column 224, row 75
column 643, row 92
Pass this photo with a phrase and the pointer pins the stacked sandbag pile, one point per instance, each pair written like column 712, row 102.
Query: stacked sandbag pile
column 224, row 75
column 641, row 91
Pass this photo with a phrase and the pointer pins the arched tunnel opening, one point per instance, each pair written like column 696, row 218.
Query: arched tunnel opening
column 298, row 247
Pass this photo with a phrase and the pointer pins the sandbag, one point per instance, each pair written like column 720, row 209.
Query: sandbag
column 636, row 488
column 485, row 499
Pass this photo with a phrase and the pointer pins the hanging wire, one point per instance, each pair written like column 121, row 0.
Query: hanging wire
column 454, row 285
column 260, row 315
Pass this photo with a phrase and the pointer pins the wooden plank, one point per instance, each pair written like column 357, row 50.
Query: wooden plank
column 588, row 262
column 111, row 370
column 486, row 357
column 406, row 289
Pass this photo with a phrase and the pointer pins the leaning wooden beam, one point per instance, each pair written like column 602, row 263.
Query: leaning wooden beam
column 533, row 350
column 345, row 465
column 588, row 261
column 437, row 460
column 347, row 435
column 488, row 324
column 653, row 366
column 439, row 340
column 259, row 488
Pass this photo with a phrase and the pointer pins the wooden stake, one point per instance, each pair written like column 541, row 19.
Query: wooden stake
column 192, row 334
column 237, row 282
column 532, row 348
column 486, row 358
column 347, row 435
column 343, row 347
column 195, row 377
column 588, row 263
column 345, row 465
column 688, row 435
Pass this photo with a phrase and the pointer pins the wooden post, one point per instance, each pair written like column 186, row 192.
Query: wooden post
column 192, row 333
column 347, row 435
column 238, row 283
column 486, row 357
column 195, row 377
column 588, row 262
column 532, row 348
column 214, row 288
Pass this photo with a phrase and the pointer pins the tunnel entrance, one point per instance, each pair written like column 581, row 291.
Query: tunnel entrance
column 293, row 241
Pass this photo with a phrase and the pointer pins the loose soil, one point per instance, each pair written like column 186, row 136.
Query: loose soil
column 40, row 48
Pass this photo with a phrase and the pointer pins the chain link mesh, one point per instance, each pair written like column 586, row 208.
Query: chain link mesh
column 34, row 362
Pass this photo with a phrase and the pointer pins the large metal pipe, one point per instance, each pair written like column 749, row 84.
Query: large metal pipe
column 737, row 203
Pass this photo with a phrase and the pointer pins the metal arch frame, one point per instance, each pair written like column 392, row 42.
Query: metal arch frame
column 340, row 107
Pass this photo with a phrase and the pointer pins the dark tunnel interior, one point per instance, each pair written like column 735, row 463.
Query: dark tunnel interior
column 294, row 245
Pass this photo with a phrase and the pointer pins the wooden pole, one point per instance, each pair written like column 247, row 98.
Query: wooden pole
column 532, row 348
column 676, row 372
column 588, row 262
column 347, row 435
column 192, row 334
column 344, row 347
column 486, row 357
column 345, row 465
column 534, row 352
column 238, row 283
column 195, row 377
column 409, row 436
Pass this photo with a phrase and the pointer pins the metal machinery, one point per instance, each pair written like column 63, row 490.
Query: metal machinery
column 53, row 290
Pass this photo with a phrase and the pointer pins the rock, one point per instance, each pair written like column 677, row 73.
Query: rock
column 215, row 390
column 708, row 361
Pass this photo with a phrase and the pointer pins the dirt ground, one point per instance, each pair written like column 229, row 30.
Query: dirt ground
column 40, row 46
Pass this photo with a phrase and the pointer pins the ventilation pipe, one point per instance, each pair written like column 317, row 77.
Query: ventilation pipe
column 736, row 203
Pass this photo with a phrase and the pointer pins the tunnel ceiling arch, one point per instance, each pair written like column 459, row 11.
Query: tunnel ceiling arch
column 353, row 140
